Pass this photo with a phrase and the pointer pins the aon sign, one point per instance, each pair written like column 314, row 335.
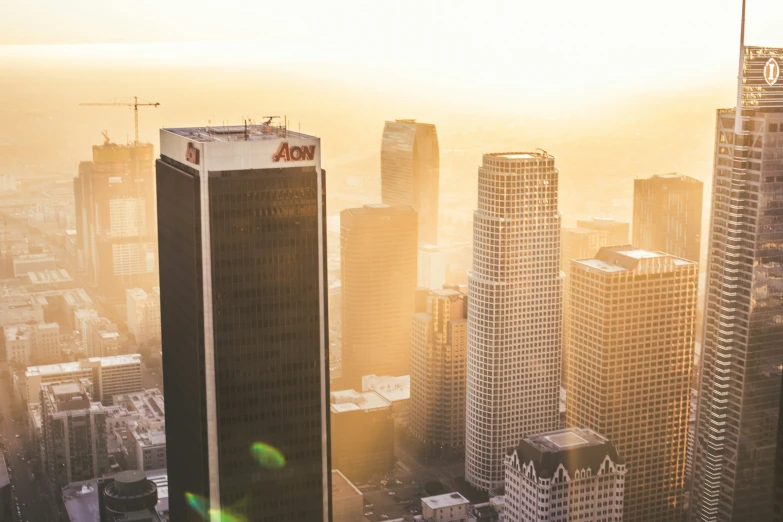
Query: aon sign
column 295, row 153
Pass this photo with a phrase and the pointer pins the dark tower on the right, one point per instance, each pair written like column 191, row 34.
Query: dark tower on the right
column 410, row 170
column 667, row 215
column 742, row 348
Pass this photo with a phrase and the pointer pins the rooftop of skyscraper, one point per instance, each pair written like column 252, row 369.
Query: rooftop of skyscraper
column 350, row 400
column 520, row 155
column 625, row 258
column 571, row 447
column 114, row 360
column 224, row 133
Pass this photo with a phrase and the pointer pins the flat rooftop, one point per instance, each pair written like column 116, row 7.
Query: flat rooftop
column 84, row 364
column 369, row 400
column 389, row 387
column 624, row 259
column 342, row 488
column 445, row 500
column 228, row 133
column 520, row 155
column 81, row 498
column 565, row 439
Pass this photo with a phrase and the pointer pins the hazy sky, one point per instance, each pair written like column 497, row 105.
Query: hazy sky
column 565, row 45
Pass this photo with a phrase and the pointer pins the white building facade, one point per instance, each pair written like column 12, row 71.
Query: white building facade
column 143, row 314
column 514, row 311
column 563, row 476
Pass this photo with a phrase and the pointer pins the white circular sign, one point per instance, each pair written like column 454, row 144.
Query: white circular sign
column 771, row 71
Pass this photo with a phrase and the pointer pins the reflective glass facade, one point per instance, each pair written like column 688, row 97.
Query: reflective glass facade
column 268, row 317
column 742, row 349
column 410, row 172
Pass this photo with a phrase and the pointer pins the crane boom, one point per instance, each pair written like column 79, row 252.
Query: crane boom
column 135, row 104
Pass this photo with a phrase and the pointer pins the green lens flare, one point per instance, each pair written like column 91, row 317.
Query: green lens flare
column 221, row 516
column 268, row 456
column 197, row 503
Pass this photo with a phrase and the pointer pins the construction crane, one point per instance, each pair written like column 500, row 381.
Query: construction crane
column 135, row 104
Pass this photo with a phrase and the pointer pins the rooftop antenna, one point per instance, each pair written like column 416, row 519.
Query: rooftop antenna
column 740, row 76
column 106, row 139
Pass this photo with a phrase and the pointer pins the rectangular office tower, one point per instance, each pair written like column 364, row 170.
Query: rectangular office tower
column 243, row 322
column 114, row 200
column 514, row 311
column 378, row 272
column 742, row 346
column 633, row 314
column 439, row 341
column 410, row 170
column 667, row 215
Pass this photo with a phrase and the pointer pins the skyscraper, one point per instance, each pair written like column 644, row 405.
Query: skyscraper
column 633, row 315
column 740, row 375
column 514, row 311
column 378, row 273
column 439, row 342
column 114, row 197
column 577, row 243
column 617, row 230
column 243, row 322
column 410, row 170
column 667, row 214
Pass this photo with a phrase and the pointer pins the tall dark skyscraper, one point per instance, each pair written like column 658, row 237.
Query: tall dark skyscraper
column 742, row 347
column 410, row 170
column 114, row 202
column 667, row 215
column 378, row 273
column 244, row 326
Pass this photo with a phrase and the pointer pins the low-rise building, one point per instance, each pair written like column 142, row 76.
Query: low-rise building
column 347, row 501
column 83, row 504
column 362, row 430
column 103, row 339
column 562, row 476
column 449, row 507
column 396, row 390
column 33, row 263
column 137, row 423
column 32, row 343
column 74, row 433
column 143, row 314
column 17, row 308
column 110, row 376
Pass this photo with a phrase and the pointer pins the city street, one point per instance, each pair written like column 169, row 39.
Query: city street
column 30, row 491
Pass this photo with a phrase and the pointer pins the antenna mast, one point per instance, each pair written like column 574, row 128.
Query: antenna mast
column 740, row 77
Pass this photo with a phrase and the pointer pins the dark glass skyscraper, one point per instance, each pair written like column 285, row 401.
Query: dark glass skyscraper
column 243, row 316
column 742, row 348
column 410, row 171
column 667, row 215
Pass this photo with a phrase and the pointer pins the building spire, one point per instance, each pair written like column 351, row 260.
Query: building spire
column 740, row 75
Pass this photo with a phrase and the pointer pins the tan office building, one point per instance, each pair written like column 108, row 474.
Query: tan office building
column 630, row 353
